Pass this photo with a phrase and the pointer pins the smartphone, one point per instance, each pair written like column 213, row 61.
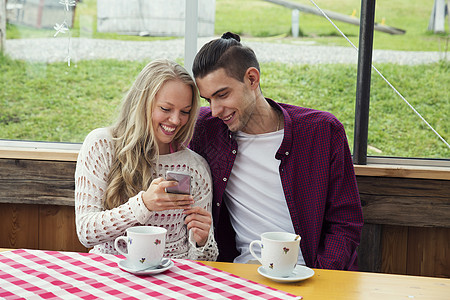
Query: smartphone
column 184, row 182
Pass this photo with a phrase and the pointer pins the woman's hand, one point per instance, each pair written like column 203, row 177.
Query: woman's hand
column 199, row 221
column 156, row 199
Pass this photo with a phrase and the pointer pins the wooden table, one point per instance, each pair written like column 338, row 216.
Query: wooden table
column 330, row 284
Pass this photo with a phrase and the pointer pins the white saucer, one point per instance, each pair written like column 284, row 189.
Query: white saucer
column 299, row 273
column 126, row 266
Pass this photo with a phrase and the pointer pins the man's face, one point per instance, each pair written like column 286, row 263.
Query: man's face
column 230, row 100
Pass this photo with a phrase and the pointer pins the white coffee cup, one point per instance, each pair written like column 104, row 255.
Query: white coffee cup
column 279, row 252
column 144, row 246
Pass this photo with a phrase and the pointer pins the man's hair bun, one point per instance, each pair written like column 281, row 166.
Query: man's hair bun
column 230, row 35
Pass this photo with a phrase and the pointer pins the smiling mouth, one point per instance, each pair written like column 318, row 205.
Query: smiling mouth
column 228, row 118
column 167, row 129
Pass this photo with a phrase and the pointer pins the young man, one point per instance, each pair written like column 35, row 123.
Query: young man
column 275, row 167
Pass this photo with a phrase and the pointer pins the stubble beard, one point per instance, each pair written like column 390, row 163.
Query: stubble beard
column 244, row 119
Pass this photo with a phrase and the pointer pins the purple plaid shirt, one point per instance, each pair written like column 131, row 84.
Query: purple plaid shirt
column 318, row 180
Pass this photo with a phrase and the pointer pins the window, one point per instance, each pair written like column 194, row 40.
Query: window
column 45, row 99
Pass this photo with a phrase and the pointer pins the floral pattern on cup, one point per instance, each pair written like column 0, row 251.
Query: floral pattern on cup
column 142, row 246
column 279, row 255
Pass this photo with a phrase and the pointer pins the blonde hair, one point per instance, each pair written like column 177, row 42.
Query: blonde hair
column 135, row 148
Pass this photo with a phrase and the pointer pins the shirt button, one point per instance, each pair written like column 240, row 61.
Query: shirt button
column 224, row 179
column 234, row 151
column 287, row 153
column 218, row 204
column 230, row 136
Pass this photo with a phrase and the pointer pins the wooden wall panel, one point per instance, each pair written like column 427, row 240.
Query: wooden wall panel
column 18, row 223
column 42, row 182
column 37, row 198
column 395, row 249
column 57, row 229
column 428, row 252
column 405, row 201
column 369, row 249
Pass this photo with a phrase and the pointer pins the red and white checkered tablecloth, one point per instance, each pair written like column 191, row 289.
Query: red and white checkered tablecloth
column 33, row 274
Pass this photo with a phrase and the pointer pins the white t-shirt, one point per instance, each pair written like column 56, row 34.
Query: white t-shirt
column 254, row 194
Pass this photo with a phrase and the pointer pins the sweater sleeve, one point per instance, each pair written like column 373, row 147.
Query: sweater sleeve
column 203, row 198
column 94, row 224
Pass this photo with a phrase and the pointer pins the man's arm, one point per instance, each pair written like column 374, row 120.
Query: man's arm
column 343, row 218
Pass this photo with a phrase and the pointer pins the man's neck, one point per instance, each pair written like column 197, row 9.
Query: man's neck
column 264, row 119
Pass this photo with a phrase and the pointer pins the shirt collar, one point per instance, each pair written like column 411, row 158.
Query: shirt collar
column 286, row 144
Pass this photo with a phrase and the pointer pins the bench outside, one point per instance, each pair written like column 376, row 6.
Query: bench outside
column 406, row 209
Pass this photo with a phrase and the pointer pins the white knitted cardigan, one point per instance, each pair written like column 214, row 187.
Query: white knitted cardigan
column 98, row 228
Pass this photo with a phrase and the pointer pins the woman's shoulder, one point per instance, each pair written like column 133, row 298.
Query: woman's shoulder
column 196, row 160
column 100, row 138
column 195, row 156
column 99, row 134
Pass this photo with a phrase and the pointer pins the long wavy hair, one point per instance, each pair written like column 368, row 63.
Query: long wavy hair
column 135, row 149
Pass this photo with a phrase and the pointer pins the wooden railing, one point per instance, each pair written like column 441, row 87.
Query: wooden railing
column 332, row 15
column 406, row 208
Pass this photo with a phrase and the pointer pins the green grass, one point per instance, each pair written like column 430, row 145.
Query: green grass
column 258, row 19
column 393, row 128
column 53, row 102
column 25, row 32
column 261, row 19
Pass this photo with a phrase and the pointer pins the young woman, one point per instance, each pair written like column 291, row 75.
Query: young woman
column 119, row 178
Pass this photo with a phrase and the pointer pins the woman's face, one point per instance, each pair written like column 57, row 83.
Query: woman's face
column 171, row 111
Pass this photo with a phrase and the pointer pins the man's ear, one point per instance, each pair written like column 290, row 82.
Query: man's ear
column 252, row 77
